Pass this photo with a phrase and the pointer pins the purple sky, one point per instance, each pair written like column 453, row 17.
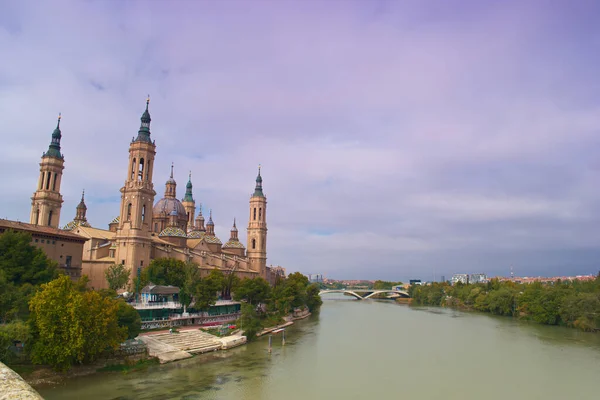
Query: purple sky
column 397, row 138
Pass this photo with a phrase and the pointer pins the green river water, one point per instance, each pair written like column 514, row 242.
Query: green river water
column 374, row 349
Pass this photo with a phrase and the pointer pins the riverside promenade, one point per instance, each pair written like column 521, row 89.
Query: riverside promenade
column 13, row 387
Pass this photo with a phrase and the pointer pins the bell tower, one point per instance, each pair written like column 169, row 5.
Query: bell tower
column 47, row 201
column 133, row 236
column 257, row 230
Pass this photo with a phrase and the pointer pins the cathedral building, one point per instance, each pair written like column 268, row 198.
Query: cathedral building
column 146, row 229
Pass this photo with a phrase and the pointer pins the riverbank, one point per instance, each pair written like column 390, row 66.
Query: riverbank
column 574, row 304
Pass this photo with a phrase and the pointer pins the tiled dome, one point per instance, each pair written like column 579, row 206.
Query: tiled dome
column 233, row 244
column 116, row 220
column 212, row 239
column 196, row 235
column 74, row 224
column 172, row 231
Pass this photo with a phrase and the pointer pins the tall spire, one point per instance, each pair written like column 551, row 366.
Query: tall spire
column 258, row 189
column 144, row 132
column 210, row 221
column 188, row 190
column 54, row 148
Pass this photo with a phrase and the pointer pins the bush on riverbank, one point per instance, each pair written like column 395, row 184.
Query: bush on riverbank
column 574, row 304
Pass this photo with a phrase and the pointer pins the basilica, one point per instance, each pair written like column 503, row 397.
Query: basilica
column 146, row 229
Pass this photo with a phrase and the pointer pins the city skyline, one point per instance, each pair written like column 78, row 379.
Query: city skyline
column 394, row 137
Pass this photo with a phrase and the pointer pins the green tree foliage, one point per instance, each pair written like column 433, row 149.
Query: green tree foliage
column 69, row 326
column 128, row 317
column 313, row 299
column 250, row 322
column 575, row 304
column 16, row 331
column 267, row 305
column 165, row 271
column 117, row 276
column 23, row 262
column 191, row 278
column 207, row 288
column 23, row 267
column 254, row 291
column 384, row 285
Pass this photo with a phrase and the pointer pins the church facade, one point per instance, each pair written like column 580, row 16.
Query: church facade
column 146, row 229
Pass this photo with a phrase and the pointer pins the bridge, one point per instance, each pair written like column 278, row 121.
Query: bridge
column 362, row 294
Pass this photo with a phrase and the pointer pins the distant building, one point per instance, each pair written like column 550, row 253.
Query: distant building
column 478, row 278
column 443, row 278
column 462, row 278
column 469, row 278
column 415, row 282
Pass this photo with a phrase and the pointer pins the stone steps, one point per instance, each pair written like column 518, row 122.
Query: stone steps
column 194, row 341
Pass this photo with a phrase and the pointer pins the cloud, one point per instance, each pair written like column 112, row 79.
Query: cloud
column 395, row 138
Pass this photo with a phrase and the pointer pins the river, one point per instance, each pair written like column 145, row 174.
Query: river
column 374, row 349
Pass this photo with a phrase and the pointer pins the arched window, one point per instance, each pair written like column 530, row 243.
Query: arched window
column 141, row 170
column 48, row 180
column 133, row 169
column 144, row 213
column 129, row 212
column 42, row 180
column 254, row 243
column 50, row 218
column 37, row 216
column 54, row 182
column 255, row 213
column 260, row 214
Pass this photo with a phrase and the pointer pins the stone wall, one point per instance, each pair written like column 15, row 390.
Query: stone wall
column 13, row 387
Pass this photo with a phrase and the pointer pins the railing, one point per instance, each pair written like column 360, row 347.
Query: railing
column 156, row 305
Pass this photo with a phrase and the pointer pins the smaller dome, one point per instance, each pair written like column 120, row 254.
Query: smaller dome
column 167, row 205
column 172, row 231
column 233, row 244
column 116, row 220
column 196, row 235
column 74, row 224
column 211, row 239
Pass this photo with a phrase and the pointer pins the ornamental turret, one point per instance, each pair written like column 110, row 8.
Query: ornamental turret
column 189, row 204
column 47, row 201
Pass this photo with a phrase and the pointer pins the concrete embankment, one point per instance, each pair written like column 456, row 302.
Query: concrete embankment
column 13, row 387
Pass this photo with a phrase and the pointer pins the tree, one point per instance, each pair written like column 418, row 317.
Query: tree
column 129, row 318
column 207, row 288
column 190, row 283
column 254, row 291
column 313, row 299
column 249, row 322
column 69, row 326
column 165, row 271
column 23, row 262
column 117, row 276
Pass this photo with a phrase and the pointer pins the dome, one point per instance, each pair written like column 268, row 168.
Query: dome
column 211, row 239
column 172, row 231
column 196, row 235
column 73, row 224
column 116, row 220
column 167, row 205
column 233, row 244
